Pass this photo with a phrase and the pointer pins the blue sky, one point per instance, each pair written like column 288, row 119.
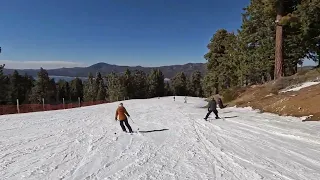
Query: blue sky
column 68, row 33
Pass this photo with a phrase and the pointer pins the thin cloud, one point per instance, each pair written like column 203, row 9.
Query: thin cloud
column 9, row 64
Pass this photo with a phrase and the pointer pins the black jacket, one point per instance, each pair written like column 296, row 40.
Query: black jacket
column 212, row 105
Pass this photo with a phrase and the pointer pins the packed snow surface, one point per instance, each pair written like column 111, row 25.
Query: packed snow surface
column 301, row 86
column 174, row 143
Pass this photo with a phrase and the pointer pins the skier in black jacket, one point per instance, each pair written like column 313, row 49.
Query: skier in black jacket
column 212, row 107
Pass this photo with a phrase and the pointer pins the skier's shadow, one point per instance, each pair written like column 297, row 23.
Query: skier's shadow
column 156, row 130
column 229, row 117
column 226, row 112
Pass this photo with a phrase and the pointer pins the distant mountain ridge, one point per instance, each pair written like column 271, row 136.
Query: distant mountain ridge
column 105, row 68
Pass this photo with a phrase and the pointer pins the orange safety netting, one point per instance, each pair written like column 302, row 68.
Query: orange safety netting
column 25, row 108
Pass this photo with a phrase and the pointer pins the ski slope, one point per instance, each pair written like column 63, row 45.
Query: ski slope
column 174, row 143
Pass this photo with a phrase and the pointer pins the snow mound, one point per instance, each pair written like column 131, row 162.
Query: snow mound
column 174, row 142
column 301, row 86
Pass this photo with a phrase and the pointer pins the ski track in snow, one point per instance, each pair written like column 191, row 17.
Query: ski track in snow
column 81, row 144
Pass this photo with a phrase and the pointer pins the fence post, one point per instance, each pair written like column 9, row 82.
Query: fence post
column 18, row 109
column 63, row 103
column 79, row 101
column 43, row 103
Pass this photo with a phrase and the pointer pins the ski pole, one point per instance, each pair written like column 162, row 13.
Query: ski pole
column 134, row 123
column 131, row 119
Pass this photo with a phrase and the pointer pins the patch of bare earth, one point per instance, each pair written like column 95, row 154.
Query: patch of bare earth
column 268, row 98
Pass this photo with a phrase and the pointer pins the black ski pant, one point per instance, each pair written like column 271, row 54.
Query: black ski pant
column 215, row 111
column 127, row 124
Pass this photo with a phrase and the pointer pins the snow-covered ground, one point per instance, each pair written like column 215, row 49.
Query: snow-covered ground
column 301, row 86
column 87, row 143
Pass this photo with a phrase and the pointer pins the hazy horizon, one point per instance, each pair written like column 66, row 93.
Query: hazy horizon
column 44, row 64
column 24, row 65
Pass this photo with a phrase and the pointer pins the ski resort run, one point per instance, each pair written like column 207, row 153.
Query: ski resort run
column 173, row 142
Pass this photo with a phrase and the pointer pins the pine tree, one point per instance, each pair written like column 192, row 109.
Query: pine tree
column 308, row 13
column 263, row 48
column 76, row 89
column 44, row 88
column 256, row 43
column 279, row 40
column 115, row 87
column 4, row 87
column 128, row 84
column 97, row 80
column 63, row 91
column 140, row 84
column 195, row 84
column 100, row 88
column 16, row 87
column 67, row 90
column 167, row 89
column 155, row 83
column 179, row 84
column 220, row 62
column 102, row 93
column 273, row 30
column 89, row 91
column 20, row 87
column 27, row 84
column 52, row 91
column 208, row 85
column 160, row 84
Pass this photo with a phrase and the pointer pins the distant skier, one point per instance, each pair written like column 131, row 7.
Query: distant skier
column 221, row 104
column 174, row 98
column 212, row 107
column 185, row 99
column 121, row 115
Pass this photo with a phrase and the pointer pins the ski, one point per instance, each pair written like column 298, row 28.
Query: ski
column 212, row 119
column 133, row 132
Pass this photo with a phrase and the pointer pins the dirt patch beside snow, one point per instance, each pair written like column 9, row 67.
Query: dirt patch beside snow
column 271, row 98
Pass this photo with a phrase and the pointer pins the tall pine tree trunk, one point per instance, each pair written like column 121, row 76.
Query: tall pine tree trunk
column 279, row 42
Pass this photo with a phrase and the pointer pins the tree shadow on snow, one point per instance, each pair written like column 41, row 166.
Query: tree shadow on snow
column 156, row 130
column 310, row 120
